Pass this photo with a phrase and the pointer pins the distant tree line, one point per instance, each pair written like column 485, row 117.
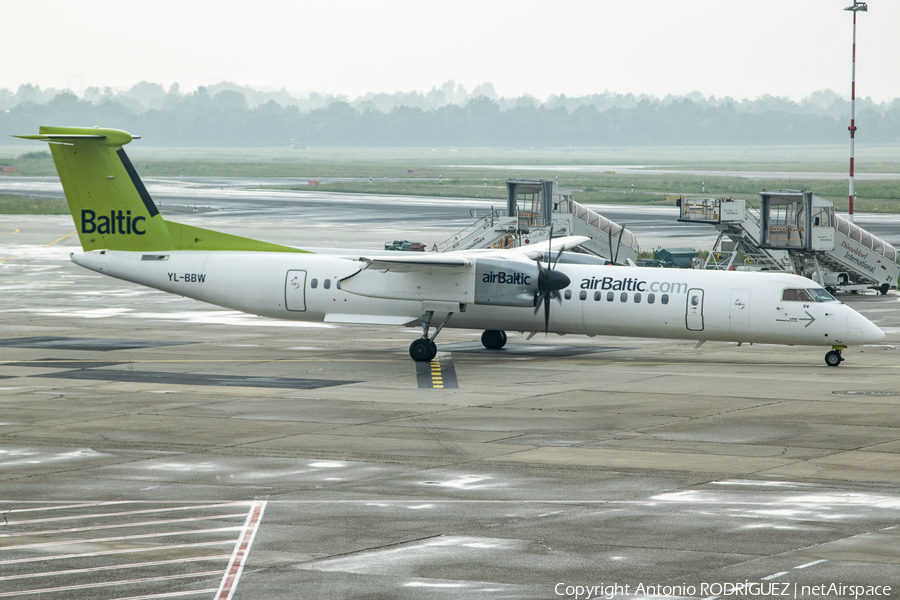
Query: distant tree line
column 228, row 115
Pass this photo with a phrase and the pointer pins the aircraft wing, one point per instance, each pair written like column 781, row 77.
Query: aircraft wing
column 411, row 262
column 533, row 251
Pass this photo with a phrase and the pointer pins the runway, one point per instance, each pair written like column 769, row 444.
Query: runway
column 235, row 202
column 153, row 446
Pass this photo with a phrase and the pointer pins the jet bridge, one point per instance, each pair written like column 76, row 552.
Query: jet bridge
column 823, row 245
column 531, row 207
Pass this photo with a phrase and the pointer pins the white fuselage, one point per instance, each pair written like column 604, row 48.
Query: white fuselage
column 601, row 300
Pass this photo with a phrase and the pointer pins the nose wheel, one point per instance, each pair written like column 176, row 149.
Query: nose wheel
column 422, row 350
column 834, row 358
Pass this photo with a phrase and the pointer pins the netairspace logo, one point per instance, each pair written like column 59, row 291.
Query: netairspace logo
column 744, row 589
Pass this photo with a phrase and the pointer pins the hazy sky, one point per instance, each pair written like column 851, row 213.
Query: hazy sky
column 739, row 48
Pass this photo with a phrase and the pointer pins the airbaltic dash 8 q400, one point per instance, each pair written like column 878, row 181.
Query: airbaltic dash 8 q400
column 124, row 236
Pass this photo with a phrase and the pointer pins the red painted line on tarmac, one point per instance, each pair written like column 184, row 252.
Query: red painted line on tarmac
column 114, row 567
column 236, row 566
column 131, row 512
column 142, row 536
column 87, row 586
column 140, row 524
column 109, row 552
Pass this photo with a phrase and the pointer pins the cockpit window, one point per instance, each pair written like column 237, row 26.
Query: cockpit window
column 820, row 295
column 796, row 295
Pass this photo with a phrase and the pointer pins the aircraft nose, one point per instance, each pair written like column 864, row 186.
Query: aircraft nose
column 860, row 330
column 872, row 333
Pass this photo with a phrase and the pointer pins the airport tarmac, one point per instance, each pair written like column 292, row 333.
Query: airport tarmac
column 154, row 446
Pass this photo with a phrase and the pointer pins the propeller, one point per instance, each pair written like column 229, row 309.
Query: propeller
column 550, row 281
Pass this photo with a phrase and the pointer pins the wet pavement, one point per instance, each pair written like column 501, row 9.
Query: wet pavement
column 182, row 456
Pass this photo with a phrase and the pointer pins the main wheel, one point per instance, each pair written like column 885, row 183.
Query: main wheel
column 422, row 350
column 834, row 358
column 493, row 339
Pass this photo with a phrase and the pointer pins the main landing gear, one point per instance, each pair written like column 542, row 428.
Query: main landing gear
column 424, row 348
column 834, row 358
column 493, row 339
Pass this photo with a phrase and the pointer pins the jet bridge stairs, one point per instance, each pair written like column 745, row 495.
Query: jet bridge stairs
column 738, row 244
column 532, row 206
column 799, row 232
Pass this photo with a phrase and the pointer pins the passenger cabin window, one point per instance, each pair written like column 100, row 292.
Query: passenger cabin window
column 651, row 298
column 610, row 296
column 583, row 295
column 596, row 296
column 326, row 284
column 568, row 294
column 623, row 297
column 796, row 295
column 314, row 283
column 637, row 298
column 664, row 298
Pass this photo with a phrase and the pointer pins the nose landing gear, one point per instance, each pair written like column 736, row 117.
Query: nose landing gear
column 424, row 348
column 834, row 358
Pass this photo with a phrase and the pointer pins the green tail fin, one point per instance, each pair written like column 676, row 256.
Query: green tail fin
column 111, row 206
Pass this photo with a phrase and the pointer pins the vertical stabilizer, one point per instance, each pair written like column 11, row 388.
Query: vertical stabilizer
column 110, row 205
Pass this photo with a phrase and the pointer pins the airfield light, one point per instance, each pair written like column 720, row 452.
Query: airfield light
column 857, row 6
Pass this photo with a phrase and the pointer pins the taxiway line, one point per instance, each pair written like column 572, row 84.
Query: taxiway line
column 130, row 512
column 169, row 595
column 62, row 507
column 111, row 552
column 114, row 567
column 87, row 586
column 141, row 536
column 119, row 525
column 44, row 246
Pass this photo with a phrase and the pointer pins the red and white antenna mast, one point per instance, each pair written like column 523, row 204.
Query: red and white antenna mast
column 857, row 6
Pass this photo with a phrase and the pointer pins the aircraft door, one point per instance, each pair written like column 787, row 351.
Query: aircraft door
column 295, row 291
column 739, row 311
column 694, row 318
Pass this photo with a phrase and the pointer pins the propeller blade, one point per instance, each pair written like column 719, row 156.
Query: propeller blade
column 546, row 315
column 538, row 299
